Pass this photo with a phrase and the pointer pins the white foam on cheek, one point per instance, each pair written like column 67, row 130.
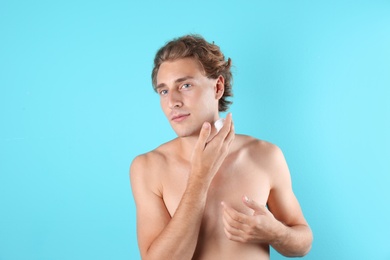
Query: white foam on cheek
column 219, row 123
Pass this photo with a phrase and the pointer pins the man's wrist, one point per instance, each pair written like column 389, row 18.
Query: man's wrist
column 280, row 234
column 201, row 176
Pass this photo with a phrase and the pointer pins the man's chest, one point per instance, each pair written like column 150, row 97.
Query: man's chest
column 233, row 181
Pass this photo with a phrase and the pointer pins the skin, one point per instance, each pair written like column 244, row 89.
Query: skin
column 203, row 195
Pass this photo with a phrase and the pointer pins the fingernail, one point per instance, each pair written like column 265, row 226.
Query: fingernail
column 246, row 198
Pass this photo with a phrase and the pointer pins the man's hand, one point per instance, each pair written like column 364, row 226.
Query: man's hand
column 208, row 155
column 261, row 227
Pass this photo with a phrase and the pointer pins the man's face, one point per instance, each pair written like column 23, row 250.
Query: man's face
column 187, row 97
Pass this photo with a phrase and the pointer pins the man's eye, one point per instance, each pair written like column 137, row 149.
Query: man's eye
column 184, row 86
column 163, row 92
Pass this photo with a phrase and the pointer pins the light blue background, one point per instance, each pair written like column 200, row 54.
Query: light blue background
column 76, row 106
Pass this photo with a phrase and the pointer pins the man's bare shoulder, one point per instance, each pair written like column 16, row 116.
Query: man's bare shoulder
column 269, row 158
column 154, row 158
column 145, row 169
column 256, row 147
column 264, row 154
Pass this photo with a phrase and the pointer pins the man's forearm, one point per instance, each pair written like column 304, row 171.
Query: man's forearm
column 179, row 238
column 293, row 241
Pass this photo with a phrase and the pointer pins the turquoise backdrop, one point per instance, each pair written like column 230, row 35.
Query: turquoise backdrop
column 77, row 105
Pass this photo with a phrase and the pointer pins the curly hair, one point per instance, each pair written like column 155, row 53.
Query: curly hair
column 208, row 54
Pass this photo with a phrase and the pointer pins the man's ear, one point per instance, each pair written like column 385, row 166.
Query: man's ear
column 219, row 87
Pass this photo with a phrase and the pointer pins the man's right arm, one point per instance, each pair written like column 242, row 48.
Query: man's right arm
column 159, row 235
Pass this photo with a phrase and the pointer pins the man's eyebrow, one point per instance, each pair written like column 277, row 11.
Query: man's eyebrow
column 161, row 85
column 183, row 79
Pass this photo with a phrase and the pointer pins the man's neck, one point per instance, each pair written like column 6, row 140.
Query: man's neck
column 186, row 146
column 187, row 143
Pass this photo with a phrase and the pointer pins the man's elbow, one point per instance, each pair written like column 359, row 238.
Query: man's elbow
column 305, row 250
column 298, row 252
column 305, row 246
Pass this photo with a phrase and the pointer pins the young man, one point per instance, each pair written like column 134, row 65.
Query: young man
column 209, row 194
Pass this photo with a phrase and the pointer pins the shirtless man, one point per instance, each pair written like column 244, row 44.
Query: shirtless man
column 209, row 194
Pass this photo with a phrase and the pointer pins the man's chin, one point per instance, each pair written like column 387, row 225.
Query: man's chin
column 184, row 134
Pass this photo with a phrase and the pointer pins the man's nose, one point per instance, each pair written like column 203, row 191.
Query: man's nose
column 174, row 99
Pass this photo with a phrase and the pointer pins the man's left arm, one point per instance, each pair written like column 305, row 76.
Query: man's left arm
column 282, row 224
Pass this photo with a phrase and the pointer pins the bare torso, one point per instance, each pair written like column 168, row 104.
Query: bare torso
column 240, row 175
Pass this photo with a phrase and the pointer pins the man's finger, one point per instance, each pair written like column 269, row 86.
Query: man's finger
column 259, row 209
column 203, row 136
column 233, row 237
column 227, row 124
column 232, row 215
column 232, row 228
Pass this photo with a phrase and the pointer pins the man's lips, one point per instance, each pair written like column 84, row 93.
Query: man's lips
column 179, row 117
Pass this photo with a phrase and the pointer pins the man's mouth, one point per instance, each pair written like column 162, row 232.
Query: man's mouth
column 179, row 117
